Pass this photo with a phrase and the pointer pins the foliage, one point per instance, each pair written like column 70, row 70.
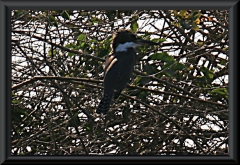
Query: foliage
column 175, row 104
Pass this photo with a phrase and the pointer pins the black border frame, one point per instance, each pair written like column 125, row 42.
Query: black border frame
column 5, row 76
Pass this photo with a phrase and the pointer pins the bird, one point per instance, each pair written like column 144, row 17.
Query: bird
column 119, row 66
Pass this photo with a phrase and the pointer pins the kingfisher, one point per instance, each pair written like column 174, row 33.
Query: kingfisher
column 119, row 66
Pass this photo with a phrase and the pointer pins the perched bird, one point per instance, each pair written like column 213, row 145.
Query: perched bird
column 119, row 66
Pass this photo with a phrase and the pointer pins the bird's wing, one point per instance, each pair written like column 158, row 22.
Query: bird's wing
column 110, row 61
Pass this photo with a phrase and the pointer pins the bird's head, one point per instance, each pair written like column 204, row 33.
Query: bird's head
column 124, row 40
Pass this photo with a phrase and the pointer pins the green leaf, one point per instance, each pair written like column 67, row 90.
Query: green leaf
column 53, row 20
column 102, row 53
column 195, row 26
column 15, row 101
column 82, row 37
column 59, row 11
column 70, row 54
column 223, row 62
column 82, row 41
column 208, row 74
column 137, row 80
column 53, row 53
column 175, row 12
column 50, row 53
column 196, row 15
column 81, row 86
column 134, row 26
column 162, row 56
column 150, row 69
column 169, row 72
column 223, row 92
column 71, row 45
column 83, row 45
column 183, row 13
column 201, row 81
column 158, row 40
column 65, row 15
column 111, row 14
column 142, row 81
column 61, row 72
column 200, row 43
column 17, row 13
column 178, row 66
column 143, row 95
column 13, row 94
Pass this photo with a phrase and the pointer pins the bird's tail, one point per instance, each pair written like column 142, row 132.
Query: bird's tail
column 104, row 105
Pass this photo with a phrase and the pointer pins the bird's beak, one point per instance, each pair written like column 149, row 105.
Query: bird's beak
column 145, row 42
